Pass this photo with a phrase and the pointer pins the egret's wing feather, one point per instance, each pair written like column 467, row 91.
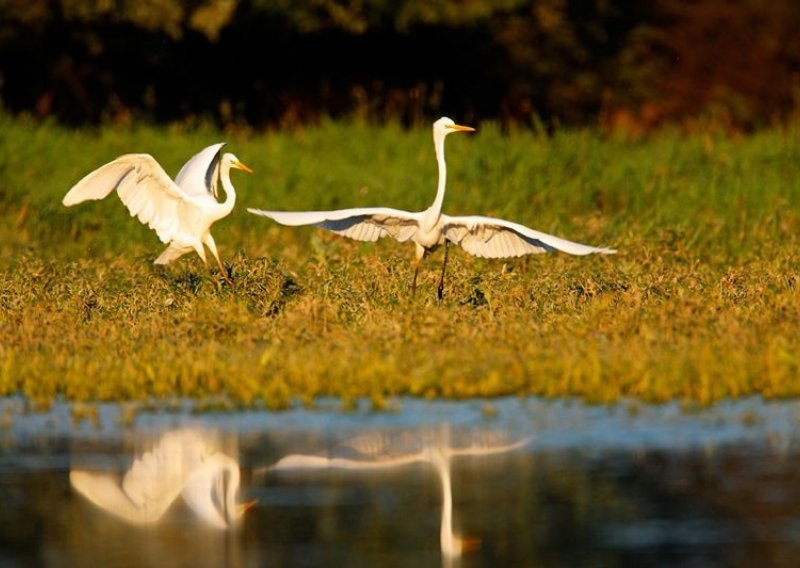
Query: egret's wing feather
column 156, row 479
column 199, row 176
column 144, row 188
column 479, row 449
column 362, row 224
column 497, row 238
column 104, row 491
column 99, row 183
column 384, row 445
column 173, row 252
column 150, row 195
column 300, row 461
column 105, row 179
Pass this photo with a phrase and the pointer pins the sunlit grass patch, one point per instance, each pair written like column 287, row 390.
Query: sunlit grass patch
column 701, row 303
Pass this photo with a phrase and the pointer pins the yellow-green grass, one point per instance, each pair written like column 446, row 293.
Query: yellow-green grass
column 701, row 303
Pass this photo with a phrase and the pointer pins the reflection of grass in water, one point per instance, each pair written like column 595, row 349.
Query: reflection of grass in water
column 702, row 302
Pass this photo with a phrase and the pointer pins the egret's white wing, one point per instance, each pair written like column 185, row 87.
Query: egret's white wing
column 300, row 461
column 157, row 477
column 155, row 480
column 144, row 188
column 479, row 449
column 105, row 492
column 199, row 176
column 497, row 238
column 361, row 224
column 173, row 252
column 385, row 445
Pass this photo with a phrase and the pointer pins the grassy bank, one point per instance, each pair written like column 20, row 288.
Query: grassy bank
column 701, row 303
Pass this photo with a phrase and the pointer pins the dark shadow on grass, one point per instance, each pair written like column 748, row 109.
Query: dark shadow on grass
column 289, row 288
column 187, row 281
column 477, row 298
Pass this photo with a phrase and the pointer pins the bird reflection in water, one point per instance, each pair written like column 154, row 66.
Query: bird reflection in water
column 434, row 448
column 185, row 462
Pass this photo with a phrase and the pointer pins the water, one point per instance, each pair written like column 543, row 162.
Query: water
column 546, row 483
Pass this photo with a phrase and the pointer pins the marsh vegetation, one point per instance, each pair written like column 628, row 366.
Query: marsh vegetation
column 701, row 303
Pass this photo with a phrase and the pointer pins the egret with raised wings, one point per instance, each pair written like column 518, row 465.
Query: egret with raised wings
column 480, row 236
column 181, row 212
column 436, row 451
column 182, row 463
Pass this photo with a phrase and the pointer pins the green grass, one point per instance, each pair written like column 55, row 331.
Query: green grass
column 701, row 303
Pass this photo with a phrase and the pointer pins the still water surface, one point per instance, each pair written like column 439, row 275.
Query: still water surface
column 507, row 483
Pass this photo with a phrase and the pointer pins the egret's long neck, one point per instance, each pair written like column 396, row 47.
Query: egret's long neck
column 433, row 212
column 232, row 512
column 230, row 194
column 447, row 539
column 202, row 483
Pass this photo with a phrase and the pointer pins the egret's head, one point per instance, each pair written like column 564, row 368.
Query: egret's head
column 445, row 126
column 231, row 509
column 235, row 163
column 211, row 491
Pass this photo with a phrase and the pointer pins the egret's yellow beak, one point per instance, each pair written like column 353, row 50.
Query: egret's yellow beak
column 249, row 505
column 459, row 128
column 241, row 166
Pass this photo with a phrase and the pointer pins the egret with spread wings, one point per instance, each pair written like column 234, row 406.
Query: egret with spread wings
column 437, row 452
column 480, row 236
column 181, row 212
column 182, row 463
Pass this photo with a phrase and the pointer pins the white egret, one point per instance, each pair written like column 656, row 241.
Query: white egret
column 181, row 212
column 182, row 463
column 438, row 453
column 479, row 236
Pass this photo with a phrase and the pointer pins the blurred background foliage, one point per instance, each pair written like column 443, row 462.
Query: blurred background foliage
column 620, row 64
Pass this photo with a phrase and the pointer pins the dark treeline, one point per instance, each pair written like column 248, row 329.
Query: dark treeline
column 620, row 63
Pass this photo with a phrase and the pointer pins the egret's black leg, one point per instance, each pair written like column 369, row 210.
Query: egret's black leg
column 414, row 282
column 444, row 267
